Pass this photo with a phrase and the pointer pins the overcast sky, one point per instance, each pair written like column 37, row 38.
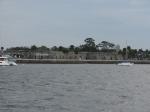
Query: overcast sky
column 65, row 22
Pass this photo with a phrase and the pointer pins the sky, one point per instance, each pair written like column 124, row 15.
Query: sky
column 66, row 22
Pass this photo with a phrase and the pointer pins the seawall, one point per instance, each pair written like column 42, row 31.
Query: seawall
column 60, row 61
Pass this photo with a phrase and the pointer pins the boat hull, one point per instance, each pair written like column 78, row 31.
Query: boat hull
column 125, row 64
column 8, row 64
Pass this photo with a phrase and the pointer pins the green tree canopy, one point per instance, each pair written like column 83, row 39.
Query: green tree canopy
column 71, row 47
column 89, row 45
column 43, row 49
column 106, row 45
column 34, row 48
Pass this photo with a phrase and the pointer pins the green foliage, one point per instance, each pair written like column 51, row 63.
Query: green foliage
column 17, row 49
column 71, row 48
column 54, row 48
column 63, row 49
column 34, row 48
column 43, row 49
column 106, row 45
column 89, row 45
column 77, row 50
column 2, row 48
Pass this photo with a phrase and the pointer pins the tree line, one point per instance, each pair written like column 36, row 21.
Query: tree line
column 89, row 45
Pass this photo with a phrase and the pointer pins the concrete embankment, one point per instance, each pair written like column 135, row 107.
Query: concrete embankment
column 58, row 61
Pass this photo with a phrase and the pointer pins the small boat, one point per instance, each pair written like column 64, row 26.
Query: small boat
column 125, row 64
column 4, row 61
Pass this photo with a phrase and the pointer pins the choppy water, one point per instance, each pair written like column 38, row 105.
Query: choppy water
column 75, row 88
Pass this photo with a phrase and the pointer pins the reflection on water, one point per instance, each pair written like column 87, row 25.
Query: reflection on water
column 75, row 88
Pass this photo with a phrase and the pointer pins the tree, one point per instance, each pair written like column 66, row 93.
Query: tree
column 2, row 48
column 54, row 48
column 89, row 45
column 60, row 48
column 128, row 52
column 128, row 48
column 104, row 45
column 147, row 53
column 34, row 48
column 43, row 49
column 1, row 51
column 140, row 54
column 65, row 50
column 71, row 47
column 117, row 48
column 133, row 53
column 19, row 49
column 124, row 53
column 90, row 42
column 76, row 50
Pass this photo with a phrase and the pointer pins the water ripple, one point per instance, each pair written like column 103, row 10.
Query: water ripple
column 74, row 88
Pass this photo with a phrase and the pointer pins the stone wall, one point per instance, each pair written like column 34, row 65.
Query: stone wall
column 70, row 55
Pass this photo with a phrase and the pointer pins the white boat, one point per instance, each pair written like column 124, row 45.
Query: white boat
column 125, row 64
column 4, row 61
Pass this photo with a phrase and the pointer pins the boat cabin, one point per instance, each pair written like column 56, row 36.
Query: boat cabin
column 3, row 58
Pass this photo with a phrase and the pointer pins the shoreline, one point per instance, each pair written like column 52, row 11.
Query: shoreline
column 71, row 61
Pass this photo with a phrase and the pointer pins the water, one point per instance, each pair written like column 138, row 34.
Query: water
column 75, row 88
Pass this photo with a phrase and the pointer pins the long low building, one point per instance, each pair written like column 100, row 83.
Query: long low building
column 112, row 55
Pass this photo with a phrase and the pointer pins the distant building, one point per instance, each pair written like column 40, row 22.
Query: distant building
column 112, row 55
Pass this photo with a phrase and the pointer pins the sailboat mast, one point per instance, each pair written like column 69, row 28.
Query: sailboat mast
column 126, row 56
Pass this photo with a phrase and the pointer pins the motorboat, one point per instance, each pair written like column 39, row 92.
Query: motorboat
column 4, row 61
column 125, row 64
